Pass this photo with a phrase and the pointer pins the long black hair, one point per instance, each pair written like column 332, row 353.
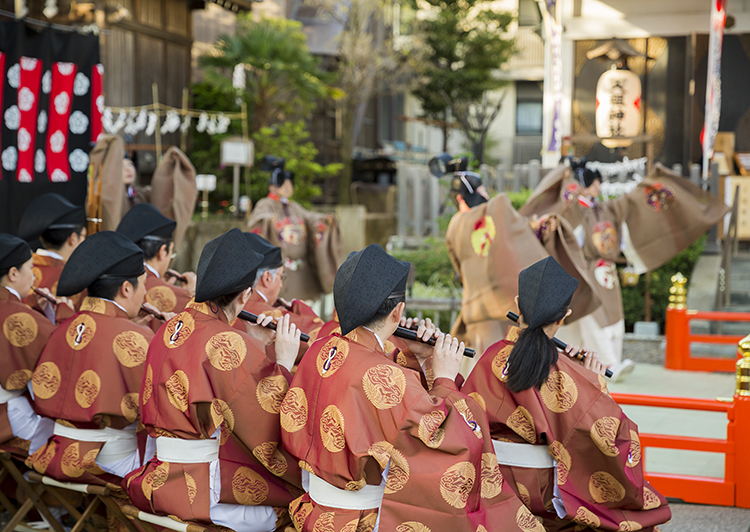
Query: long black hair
column 531, row 358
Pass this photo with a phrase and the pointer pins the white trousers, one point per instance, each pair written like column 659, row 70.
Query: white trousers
column 588, row 334
column 27, row 425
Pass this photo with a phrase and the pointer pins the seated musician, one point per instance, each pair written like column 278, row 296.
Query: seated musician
column 269, row 282
column 378, row 450
column 567, row 449
column 151, row 231
column 60, row 226
column 25, row 334
column 210, row 402
column 89, row 374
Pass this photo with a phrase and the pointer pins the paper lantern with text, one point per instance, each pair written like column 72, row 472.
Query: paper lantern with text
column 618, row 107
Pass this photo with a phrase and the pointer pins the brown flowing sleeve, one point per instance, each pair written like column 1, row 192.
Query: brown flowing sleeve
column 174, row 191
column 262, row 220
column 664, row 214
column 108, row 153
column 324, row 240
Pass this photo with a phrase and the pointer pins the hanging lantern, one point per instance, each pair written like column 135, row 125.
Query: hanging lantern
column 618, row 107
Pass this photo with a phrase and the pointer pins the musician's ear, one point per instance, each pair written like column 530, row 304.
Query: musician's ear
column 398, row 311
column 245, row 296
column 568, row 313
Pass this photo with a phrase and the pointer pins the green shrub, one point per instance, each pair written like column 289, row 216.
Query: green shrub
column 432, row 265
column 518, row 199
column 634, row 298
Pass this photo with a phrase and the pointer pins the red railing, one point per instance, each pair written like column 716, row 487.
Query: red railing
column 734, row 488
column 679, row 338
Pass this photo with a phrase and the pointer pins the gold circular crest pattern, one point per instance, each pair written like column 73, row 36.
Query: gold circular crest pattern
column 329, row 361
column 18, row 379
column 42, row 458
column 398, row 473
column 223, row 418
column 384, row 386
column 629, row 526
column 93, row 304
column 37, row 271
column 20, row 329
column 70, row 462
column 87, row 388
column 457, row 482
column 526, row 520
column 80, row 332
column 178, row 387
column 332, row 429
column 559, row 392
column 587, row 517
column 634, row 456
column 178, row 330
column 603, row 487
column 521, row 422
column 191, row 486
column 602, row 384
column 129, row 406
column 130, row 348
column 604, row 433
column 226, row 350
column 650, row 499
column 351, row 526
column 248, row 487
column 523, row 494
column 401, row 360
column 412, row 526
column 305, row 466
column 367, row 523
column 294, row 410
column 270, row 393
column 155, row 479
column 299, row 513
column 324, row 523
column 430, row 431
column 148, row 384
column 162, row 297
column 272, row 459
column 492, row 478
column 479, row 399
column 381, row 452
column 564, row 462
column 499, row 362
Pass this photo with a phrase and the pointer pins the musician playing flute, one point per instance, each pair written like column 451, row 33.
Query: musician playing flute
column 60, row 226
column 563, row 445
column 210, row 402
column 378, row 451
column 269, row 282
column 151, row 231
column 89, row 374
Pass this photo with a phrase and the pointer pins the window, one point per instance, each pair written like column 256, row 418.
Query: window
column 529, row 118
column 528, row 13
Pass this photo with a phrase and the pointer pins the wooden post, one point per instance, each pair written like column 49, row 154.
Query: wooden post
column 157, row 132
column 246, row 170
column 183, row 134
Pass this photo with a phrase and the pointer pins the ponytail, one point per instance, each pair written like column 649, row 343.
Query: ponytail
column 530, row 360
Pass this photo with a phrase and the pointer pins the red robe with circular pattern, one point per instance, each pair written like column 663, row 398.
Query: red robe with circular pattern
column 202, row 375
column 348, row 416
column 596, row 446
column 88, row 377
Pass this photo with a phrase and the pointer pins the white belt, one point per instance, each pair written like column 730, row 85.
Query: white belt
column 118, row 444
column 182, row 451
column 7, row 395
column 368, row 498
column 523, row 455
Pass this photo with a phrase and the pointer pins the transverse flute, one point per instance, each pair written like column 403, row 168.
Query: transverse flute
column 154, row 313
column 252, row 318
column 172, row 273
column 408, row 334
column 559, row 344
column 45, row 296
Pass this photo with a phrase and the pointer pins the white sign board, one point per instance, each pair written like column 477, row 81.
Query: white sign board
column 205, row 182
column 236, row 151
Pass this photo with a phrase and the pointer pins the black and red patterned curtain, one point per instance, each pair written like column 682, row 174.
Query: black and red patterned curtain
column 52, row 106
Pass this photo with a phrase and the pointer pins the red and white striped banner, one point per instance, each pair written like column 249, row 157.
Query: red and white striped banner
column 713, row 83
column 97, row 101
column 58, row 166
column 29, row 86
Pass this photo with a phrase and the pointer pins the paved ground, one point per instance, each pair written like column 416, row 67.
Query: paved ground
column 655, row 380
